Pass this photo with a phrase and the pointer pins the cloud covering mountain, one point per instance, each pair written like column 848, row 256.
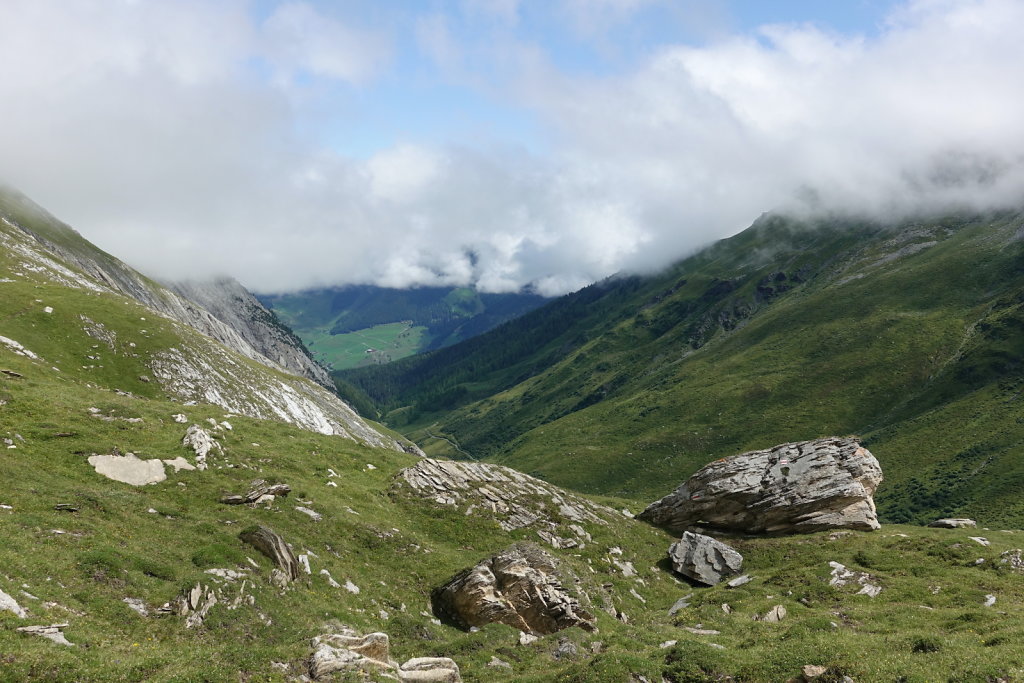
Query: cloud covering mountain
column 197, row 138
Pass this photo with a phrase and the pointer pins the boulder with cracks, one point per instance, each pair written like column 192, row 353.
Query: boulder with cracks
column 704, row 559
column 519, row 587
column 792, row 488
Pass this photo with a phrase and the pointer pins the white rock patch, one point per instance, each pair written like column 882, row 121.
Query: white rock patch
column 129, row 469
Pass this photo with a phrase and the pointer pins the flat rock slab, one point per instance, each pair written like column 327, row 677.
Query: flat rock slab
column 953, row 523
column 792, row 488
column 129, row 469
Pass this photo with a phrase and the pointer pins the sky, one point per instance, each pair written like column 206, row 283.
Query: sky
column 499, row 143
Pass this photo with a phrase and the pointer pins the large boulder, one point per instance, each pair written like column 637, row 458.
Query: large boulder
column 518, row 587
column 792, row 488
column 704, row 559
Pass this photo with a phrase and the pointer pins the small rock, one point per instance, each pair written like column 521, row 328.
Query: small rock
column 137, row 605
column 812, row 671
column 316, row 516
column 774, row 615
column 741, row 580
column 726, row 608
column 351, row 587
column 10, row 604
column 701, row 631
column 179, row 418
column 990, row 600
column 52, row 632
column 953, row 523
column 667, row 644
column 680, row 604
column 980, row 540
column 496, row 663
column 566, row 650
column 527, row 638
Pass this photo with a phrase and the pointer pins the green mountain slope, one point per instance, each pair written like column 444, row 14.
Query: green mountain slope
column 907, row 334
column 363, row 325
column 107, row 560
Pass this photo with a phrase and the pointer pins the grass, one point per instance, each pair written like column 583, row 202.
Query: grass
column 378, row 344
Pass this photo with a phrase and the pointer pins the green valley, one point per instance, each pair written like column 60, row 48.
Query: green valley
column 363, row 325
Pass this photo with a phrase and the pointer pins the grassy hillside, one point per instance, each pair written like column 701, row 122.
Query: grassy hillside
column 908, row 335
column 365, row 325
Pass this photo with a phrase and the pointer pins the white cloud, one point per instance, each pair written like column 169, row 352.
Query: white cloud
column 151, row 127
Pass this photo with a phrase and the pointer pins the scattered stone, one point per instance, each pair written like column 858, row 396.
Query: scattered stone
column 842, row 576
column 268, row 542
column 812, row 671
column 727, row 608
column 201, row 443
column 7, row 603
column 774, row 615
column 47, row 309
column 667, row 644
column 496, row 663
column 704, row 559
column 527, row 638
column 792, row 488
column 137, row 605
column 680, row 604
column 990, row 600
column 330, row 579
column 179, row 418
column 566, row 650
column 701, row 631
column 316, row 516
column 65, row 507
column 304, row 563
column 953, row 523
column 632, row 591
column 741, row 580
column 518, row 587
column 18, row 350
column 52, row 632
column 259, row 492
column 980, row 540
column 351, row 587
column 129, row 469
column 1014, row 559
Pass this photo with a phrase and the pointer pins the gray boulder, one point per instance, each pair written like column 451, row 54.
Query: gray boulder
column 704, row 559
column 792, row 488
column 518, row 587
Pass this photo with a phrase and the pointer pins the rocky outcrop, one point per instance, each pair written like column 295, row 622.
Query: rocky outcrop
column 953, row 523
column 519, row 587
column 270, row 543
column 212, row 362
column 234, row 305
column 513, row 499
column 704, row 559
column 371, row 654
column 259, row 492
column 792, row 488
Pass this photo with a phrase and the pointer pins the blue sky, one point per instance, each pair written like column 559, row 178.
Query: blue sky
column 501, row 143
